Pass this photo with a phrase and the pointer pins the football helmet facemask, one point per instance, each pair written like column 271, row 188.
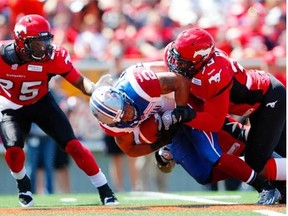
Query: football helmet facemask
column 109, row 105
column 33, row 38
column 189, row 52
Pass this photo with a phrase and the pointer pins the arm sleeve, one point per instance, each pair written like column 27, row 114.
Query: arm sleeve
column 73, row 75
column 213, row 115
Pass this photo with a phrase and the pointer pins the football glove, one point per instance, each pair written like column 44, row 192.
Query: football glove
column 180, row 114
column 105, row 80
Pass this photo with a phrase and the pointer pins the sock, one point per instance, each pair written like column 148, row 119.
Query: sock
column 15, row 159
column 276, row 169
column 98, row 179
column 83, row 157
column 259, row 183
column 105, row 191
column 24, row 184
column 235, row 168
column 20, row 175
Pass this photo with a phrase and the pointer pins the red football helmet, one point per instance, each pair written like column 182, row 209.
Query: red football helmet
column 32, row 34
column 189, row 52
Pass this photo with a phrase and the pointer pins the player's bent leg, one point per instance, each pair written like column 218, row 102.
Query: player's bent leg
column 82, row 156
column 84, row 159
column 15, row 159
column 238, row 169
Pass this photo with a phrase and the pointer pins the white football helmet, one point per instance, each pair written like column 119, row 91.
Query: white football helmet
column 108, row 105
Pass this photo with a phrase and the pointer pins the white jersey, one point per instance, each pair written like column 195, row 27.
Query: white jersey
column 142, row 86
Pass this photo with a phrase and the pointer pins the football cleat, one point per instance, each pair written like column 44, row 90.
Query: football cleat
column 269, row 197
column 164, row 160
column 26, row 199
column 107, row 197
column 25, row 194
column 281, row 186
column 110, row 201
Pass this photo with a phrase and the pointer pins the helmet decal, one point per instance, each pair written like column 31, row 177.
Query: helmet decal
column 20, row 28
column 202, row 52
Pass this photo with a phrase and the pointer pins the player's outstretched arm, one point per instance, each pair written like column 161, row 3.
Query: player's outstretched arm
column 85, row 85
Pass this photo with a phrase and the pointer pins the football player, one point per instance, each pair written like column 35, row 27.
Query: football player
column 27, row 63
column 138, row 94
column 221, row 85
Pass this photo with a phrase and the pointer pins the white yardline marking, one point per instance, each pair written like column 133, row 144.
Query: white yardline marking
column 68, row 199
column 221, row 196
column 181, row 197
column 269, row 213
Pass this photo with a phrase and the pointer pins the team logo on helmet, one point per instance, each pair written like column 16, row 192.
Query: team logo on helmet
column 202, row 52
column 20, row 28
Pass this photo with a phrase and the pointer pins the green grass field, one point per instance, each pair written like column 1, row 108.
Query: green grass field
column 145, row 203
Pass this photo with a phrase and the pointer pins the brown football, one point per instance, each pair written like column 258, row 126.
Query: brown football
column 148, row 130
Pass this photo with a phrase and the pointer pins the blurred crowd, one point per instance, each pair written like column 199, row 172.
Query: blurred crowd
column 117, row 30
column 109, row 30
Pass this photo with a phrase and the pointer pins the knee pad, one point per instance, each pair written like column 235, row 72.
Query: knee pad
column 15, row 158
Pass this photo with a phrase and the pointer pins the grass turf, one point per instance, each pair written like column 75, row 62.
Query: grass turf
column 144, row 203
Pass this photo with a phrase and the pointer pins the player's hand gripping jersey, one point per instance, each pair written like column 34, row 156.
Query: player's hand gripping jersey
column 22, row 84
column 142, row 87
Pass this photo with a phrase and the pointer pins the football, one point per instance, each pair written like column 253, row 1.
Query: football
column 148, row 130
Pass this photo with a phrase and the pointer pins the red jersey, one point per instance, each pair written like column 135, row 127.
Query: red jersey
column 224, row 86
column 25, row 84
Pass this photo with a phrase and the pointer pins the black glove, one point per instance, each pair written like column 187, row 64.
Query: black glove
column 164, row 137
column 180, row 114
column 184, row 113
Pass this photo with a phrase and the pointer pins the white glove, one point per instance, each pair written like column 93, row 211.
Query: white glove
column 158, row 119
column 167, row 119
column 105, row 80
